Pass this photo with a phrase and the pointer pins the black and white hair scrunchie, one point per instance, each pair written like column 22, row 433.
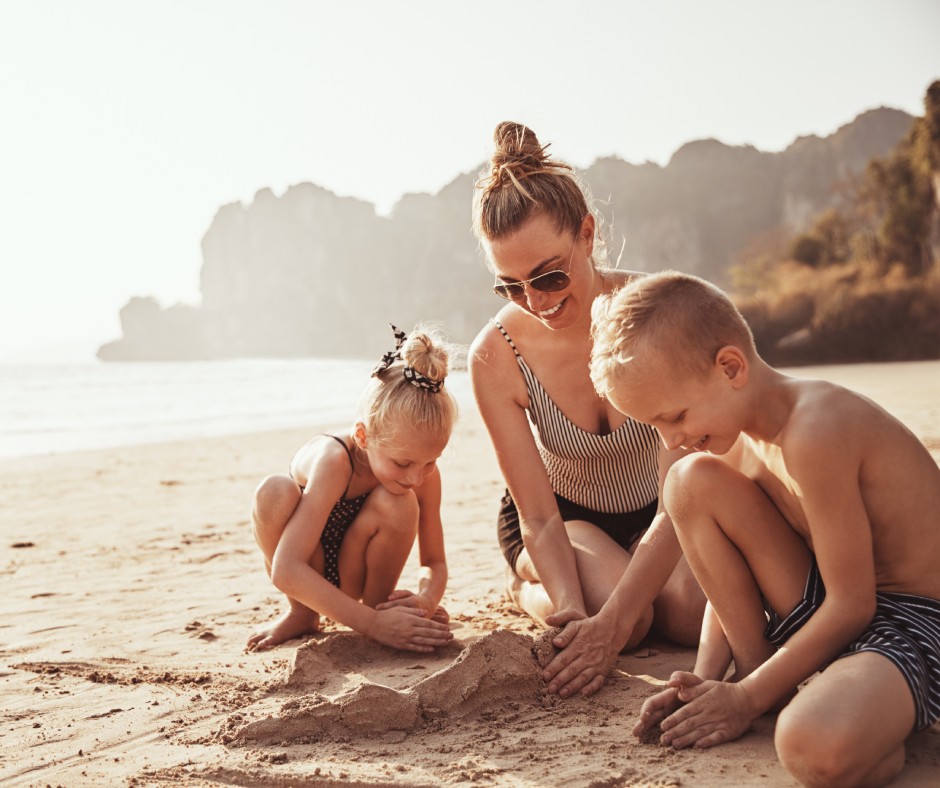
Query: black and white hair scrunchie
column 412, row 375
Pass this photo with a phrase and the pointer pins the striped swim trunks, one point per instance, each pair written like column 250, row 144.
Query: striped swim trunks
column 905, row 630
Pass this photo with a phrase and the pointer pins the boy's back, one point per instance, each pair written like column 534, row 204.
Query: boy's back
column 833, row 442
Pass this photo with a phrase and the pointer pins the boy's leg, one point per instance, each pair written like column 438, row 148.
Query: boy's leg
column 275, row 501
column 376, row 546
column 740, row 548
column 848, row 725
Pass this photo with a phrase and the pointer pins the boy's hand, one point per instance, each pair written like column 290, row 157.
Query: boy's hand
column 401, row 597
column 586, row 657
column 714, row 712
column 653, row 711
column 409, row 628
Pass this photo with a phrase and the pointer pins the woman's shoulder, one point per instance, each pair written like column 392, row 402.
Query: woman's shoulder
column 491, row 342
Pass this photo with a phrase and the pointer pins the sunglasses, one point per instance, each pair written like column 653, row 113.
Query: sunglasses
column 549, row 282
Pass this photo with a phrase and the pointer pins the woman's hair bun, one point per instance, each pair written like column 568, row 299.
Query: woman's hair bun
column 517, row 147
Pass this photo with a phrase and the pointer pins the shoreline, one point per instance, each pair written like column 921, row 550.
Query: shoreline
column 137, row 582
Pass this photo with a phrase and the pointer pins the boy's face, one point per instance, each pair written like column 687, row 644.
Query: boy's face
column 695, row 412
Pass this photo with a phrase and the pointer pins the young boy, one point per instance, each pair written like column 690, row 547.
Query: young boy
column 801, row 502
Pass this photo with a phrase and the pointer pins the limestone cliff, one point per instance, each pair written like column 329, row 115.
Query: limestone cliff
column 313, row 274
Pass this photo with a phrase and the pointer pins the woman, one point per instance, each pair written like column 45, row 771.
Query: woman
column 588, row 548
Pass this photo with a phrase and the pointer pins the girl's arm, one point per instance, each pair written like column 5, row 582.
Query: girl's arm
column 432, row 576
column 499, row 394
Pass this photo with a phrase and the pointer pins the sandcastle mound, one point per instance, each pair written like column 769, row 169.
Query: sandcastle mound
column 489, row 673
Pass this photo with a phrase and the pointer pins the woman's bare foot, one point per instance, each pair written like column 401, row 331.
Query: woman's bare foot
column 295, row 622
column 513, row 586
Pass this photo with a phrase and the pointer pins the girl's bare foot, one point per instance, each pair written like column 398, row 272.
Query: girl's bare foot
column 295, row 622
column 441, row 615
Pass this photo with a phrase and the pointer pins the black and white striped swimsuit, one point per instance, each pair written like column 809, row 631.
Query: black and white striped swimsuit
column 617, row 472
column 609, row 480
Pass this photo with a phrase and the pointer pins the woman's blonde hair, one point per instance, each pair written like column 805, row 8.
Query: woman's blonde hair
column 408, row 392
column 523, row 180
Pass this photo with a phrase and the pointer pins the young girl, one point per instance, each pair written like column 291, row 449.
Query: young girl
column 336, row 533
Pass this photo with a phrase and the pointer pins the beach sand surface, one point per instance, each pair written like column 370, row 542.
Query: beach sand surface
column 131, row 580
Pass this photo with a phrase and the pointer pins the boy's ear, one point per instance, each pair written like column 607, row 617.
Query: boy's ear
column 733, row 365
column 359, row 435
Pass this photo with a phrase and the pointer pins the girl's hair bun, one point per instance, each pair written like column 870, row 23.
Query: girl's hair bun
column 425, row 354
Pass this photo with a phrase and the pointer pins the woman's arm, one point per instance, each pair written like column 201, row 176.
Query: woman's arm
column 501, row 397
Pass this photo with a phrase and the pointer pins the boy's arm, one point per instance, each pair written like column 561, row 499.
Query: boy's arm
column 824, row 471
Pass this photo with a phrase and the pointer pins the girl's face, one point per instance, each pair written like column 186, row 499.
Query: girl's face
column 403, row 459
column 538, row 248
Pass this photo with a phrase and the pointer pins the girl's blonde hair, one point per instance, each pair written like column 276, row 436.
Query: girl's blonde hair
column 397, row 398
column 522, row 181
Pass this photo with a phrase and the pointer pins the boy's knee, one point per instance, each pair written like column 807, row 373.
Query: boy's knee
column 817, row 752
column 688, row 480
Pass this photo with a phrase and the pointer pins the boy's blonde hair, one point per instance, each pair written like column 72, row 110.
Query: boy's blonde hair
column 394, row 400
column 523, row 180
column 670, row 315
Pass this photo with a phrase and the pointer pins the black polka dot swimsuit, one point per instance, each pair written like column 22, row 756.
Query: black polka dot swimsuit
column 341, row 517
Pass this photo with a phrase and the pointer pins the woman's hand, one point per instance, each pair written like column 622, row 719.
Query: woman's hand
column 401, row 597
column 408, row 628
column 587, row 654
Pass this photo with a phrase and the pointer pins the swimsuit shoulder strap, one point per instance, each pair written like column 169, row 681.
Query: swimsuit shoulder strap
column 507, row 337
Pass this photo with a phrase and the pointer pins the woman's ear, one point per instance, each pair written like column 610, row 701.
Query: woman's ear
column 586, row 231
column 359, row 435
column 732, row 362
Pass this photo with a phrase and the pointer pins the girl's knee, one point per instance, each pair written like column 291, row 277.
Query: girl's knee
column 386, row 512
column 275, row 495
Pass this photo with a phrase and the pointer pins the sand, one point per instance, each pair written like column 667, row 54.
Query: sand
column 130, row 581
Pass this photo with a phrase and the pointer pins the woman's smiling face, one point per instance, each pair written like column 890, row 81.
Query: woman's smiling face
column 537, row 248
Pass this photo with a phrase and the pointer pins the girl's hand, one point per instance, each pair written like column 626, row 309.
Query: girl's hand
column 406, row 627
column 401, row 597
column 586, row 657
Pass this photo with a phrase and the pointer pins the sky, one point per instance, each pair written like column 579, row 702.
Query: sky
column 126, row 124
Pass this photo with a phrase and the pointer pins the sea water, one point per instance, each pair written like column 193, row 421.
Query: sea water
column 71, row 407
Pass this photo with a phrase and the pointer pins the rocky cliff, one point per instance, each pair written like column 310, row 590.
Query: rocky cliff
column 313, row 274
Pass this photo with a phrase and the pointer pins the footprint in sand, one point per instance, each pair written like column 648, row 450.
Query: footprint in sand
column 499, row 668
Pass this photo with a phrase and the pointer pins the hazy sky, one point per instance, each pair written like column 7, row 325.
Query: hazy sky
column 125, row 125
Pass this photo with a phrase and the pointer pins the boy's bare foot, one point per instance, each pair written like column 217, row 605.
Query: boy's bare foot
column 294, row 623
